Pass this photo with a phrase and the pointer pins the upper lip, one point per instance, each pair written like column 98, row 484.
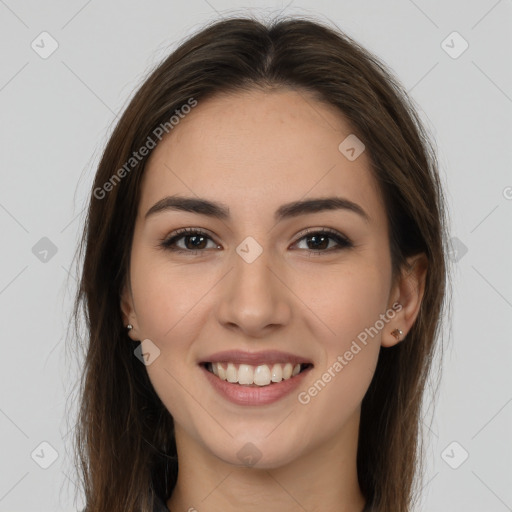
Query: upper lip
column 255, row 358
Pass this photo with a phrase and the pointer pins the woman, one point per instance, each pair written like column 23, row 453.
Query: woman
column 263, row 280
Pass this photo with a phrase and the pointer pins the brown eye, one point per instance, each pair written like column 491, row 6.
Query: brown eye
column 318, row 241
column 193, row 241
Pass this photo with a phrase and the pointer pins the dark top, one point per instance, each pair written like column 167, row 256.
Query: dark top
column 160, row 506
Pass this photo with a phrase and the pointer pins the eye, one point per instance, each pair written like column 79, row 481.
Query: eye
column 318, row 240
column 194, row 241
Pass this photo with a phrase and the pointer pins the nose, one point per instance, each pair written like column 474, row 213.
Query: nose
column 255, row 299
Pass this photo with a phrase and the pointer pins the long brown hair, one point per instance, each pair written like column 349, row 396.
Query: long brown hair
column 125, row 447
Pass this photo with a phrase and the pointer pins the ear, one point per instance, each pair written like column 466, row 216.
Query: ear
column 405, row 298
column 128, row 311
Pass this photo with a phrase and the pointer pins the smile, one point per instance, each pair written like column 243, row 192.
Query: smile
column 252, row 375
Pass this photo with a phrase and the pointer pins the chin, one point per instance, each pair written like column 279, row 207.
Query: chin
column 257, row 453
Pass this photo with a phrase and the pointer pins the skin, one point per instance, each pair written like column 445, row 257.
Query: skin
column 255, row 151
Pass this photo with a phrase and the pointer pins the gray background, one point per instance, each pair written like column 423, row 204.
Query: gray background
column 56, row 114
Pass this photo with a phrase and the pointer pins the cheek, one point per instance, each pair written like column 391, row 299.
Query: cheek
column 167, row 297
column 349, row 358
column 345, row 301
column 170, row 313
column 350, row 305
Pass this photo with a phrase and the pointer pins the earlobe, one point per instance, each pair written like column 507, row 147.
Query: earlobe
column 408, row 293
column 128, row 312
column 397, row 333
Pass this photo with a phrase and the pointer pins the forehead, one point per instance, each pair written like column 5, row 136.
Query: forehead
column 258, row 149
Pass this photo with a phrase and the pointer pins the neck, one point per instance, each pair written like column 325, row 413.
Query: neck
column 323, row 479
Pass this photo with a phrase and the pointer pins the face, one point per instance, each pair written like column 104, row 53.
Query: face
column 272, row 286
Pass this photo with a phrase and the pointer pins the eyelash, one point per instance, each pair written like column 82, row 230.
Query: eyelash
column 342, row 241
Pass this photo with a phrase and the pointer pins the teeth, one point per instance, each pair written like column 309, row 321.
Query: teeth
column 261, row 375
column 231, row 373
column 245, row 374
column 277, row 373
column 221, row 371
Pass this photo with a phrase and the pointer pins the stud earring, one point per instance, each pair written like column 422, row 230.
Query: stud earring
column 129, row 327
column 397, row 333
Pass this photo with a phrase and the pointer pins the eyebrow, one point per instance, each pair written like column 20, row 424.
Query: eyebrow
column 286, row 211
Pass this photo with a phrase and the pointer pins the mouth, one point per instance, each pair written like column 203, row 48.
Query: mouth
column 256, row 376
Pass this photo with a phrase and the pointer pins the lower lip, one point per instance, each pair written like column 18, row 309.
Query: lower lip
column 249, row 395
